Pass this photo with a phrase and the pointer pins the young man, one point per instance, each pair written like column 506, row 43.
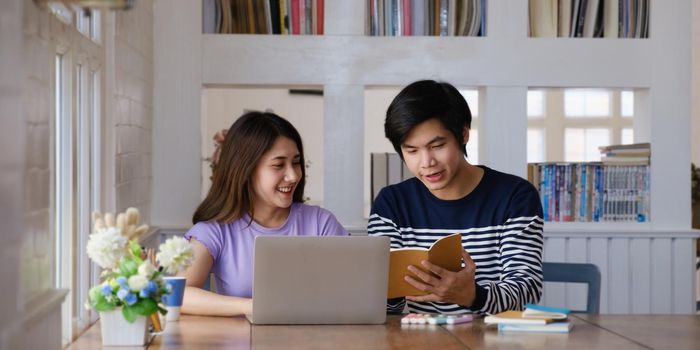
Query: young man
column 498, row 215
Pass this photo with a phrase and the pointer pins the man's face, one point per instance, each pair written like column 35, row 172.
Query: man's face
column 434, row 156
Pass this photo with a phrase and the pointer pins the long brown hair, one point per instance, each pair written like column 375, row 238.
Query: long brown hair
column 231, row 193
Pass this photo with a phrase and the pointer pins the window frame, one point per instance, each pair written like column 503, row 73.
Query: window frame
column 555, row 122
column 77, row 168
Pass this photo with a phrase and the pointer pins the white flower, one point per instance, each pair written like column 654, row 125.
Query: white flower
column 175, row 255
column 146, row 269
column 137, row 282
column 106, row 247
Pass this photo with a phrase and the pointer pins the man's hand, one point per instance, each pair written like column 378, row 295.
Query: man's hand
column 444, row 285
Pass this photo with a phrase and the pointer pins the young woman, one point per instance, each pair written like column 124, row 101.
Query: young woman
column 257, row 189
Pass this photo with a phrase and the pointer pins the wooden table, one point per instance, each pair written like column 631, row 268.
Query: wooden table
column 654, row 331
column 589, row 332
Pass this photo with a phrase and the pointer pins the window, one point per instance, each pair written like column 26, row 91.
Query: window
column 63, row 187
column 76, row 169
column 61, row 161
column 627, row 104
column 472, row 97
column 627, row 136
column 96, row 26
column 89, row 23
column 61, row 12
column 473, row 147
column 535, row 104
column 535, row 145
column 586, row 103
column 75, row 161
column 575, row 122
column 581, row 145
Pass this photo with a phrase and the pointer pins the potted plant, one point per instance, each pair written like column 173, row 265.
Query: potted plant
column 132, row 285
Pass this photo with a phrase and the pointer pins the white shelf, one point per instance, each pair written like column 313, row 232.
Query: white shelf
column 466, row 61
column 614, row 230
column 649, row 262
column 502, row 65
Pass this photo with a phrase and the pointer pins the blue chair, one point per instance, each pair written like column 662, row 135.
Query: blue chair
column 576, row 273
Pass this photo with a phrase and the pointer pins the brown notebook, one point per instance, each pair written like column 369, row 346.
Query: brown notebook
column 446, row 252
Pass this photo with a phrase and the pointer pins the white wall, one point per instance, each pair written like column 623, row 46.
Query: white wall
column 41, row 36
column 12, row 164
column 25, row 174
column 377, row 100
column 132, row 108
column 695, row 115
column 177, row 113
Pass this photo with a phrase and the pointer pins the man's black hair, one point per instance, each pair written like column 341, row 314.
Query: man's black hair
column 424, row 100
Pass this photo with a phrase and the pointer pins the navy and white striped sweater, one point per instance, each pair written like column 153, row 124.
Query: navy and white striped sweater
column 501, row 226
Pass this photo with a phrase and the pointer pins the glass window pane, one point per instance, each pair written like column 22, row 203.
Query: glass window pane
column 627, row 136
column 595, row 138
column 535, row 145
column 581, row 145
column 58, row 166
column 574, row 103
column 82, row 21
column 96, row 26
column 61, row 12
column 580, row 103
column 472, row 97
column 574, row 145
column 627, row 104
column 535, row 103
column 598, row 103
column 473, row 147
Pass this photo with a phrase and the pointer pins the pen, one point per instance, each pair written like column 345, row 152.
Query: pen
column 459, row 319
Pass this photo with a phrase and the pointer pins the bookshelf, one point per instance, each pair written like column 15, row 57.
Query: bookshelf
column 346, row 58
column 503, row 64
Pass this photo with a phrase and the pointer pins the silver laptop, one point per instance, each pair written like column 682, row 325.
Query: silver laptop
column 320, row 280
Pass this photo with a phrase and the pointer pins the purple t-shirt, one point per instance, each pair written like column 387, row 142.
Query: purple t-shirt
column 231, row 245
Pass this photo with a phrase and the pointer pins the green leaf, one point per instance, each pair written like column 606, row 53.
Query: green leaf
column 129, row 313
column 98, row 300
column 145, row 307
column 104, row 305
column 96, row 293
column 135, row 251
column 148, row 306
column 128, row 267
column 135, row 248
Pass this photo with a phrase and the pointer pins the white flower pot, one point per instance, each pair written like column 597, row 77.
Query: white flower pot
column 116, row 330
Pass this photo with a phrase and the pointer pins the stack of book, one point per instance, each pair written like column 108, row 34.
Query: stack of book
column 286, row 17
column 632, row 154
column 589, row 18
column 615, row 190
column 535, row 318
column 426, row 17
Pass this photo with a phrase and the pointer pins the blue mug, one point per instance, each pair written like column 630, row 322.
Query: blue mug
column 173, row 301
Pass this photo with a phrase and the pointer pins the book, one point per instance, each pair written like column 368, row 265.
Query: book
column 539, row 311
column 516, row 317
column 535, row 318
column 544, row 15
column 634, row 146
column 556, row 327
column 446, row 252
